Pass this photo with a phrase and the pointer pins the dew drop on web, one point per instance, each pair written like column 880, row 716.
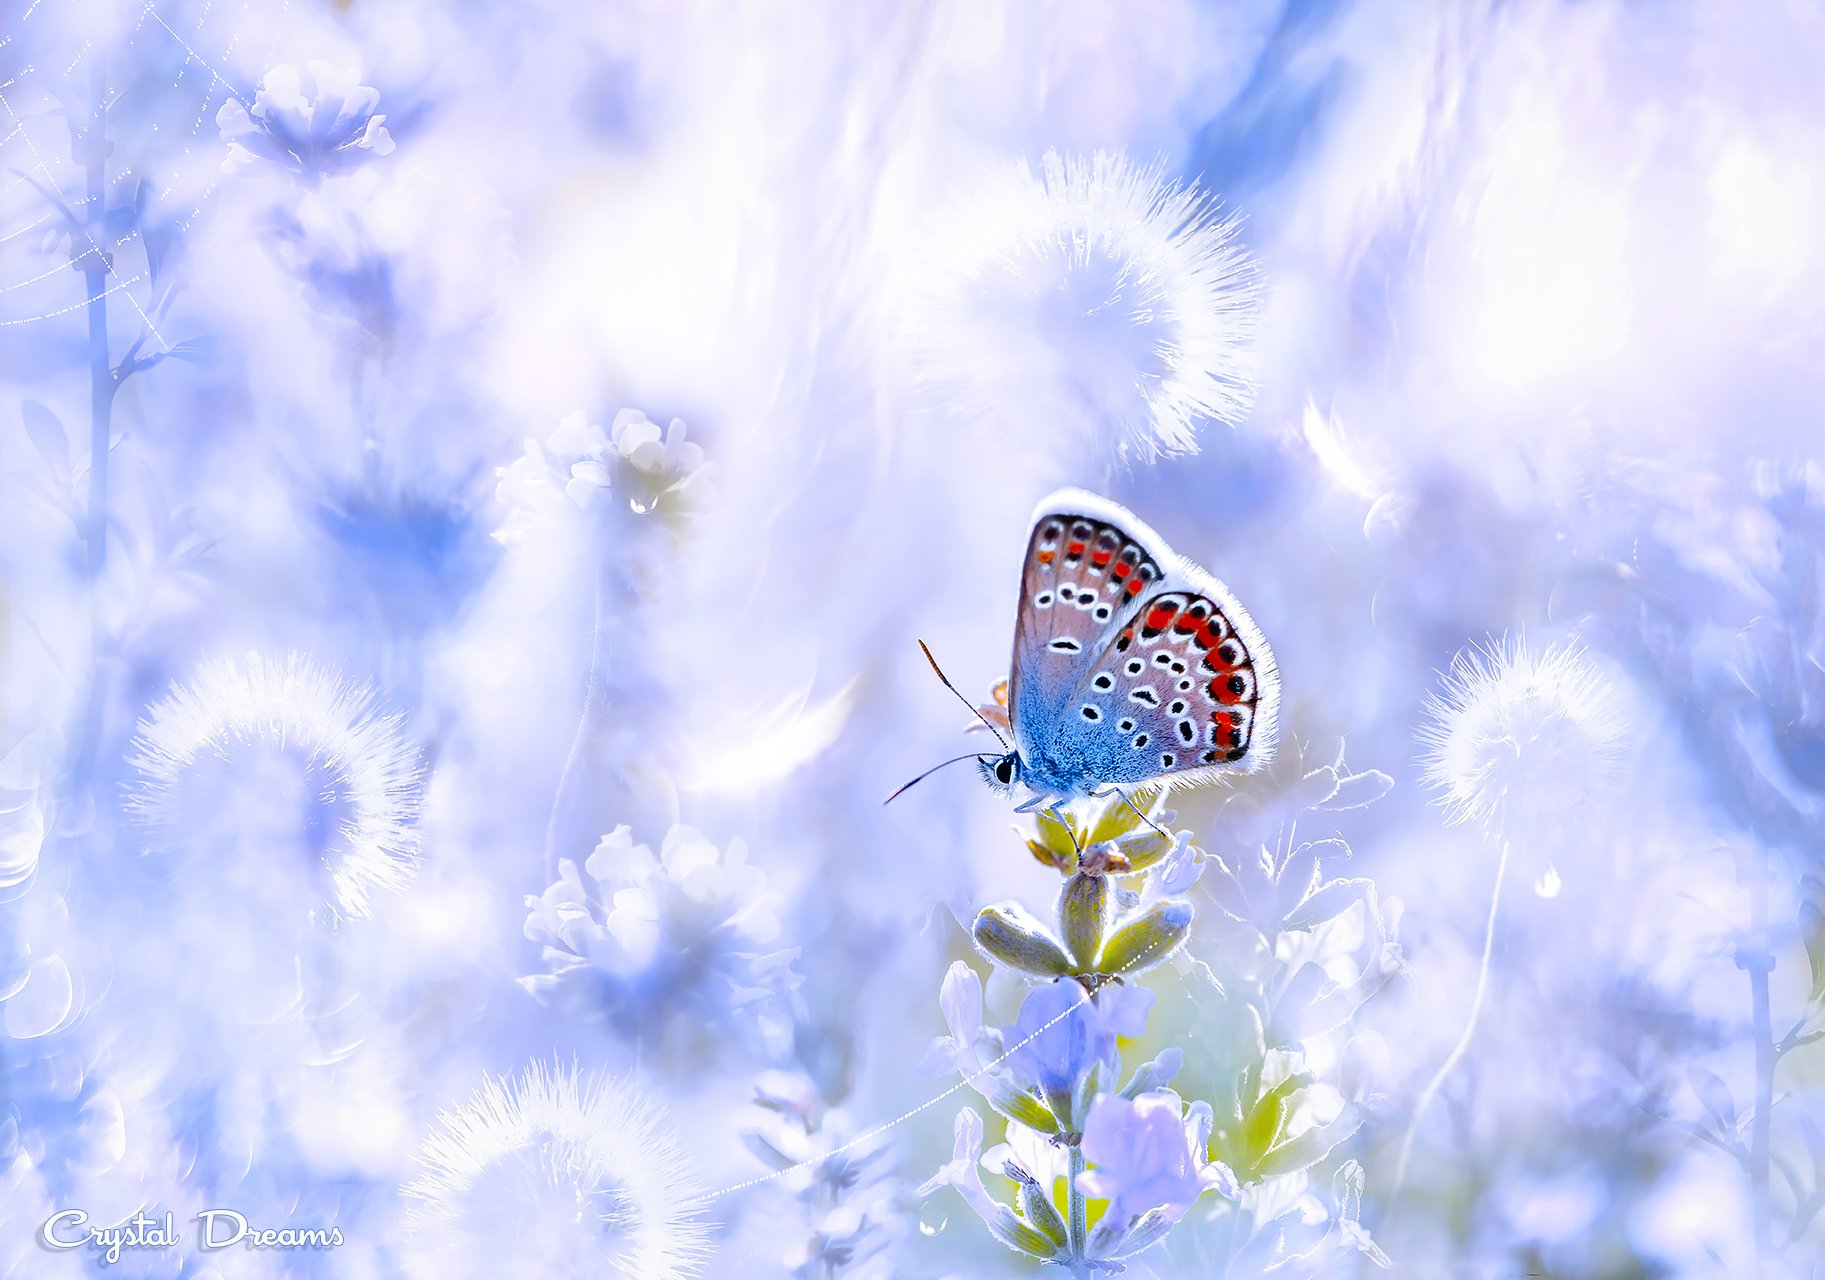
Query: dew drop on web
column 932, row 1219
column 1549, row 884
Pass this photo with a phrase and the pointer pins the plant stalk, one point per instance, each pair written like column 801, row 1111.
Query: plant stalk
column 1463, row 1040
column 1758, row 963
column 93, row 148
column 1077, row 1221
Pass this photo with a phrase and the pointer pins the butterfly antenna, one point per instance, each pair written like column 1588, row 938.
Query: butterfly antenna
column 974, row 755
column 974, row 709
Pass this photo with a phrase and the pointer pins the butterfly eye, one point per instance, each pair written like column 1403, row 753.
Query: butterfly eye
column 1004, row 770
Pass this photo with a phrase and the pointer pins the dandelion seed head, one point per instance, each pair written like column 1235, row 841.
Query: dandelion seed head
column 281, row 773
column 549, row 1175
column 1519, row 740
column 1095, row 298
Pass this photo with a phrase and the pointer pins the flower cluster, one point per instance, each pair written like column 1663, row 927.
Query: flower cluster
column 1312, row 948
column 581, row 467
column 678, row 942
column 1055, row 1074
column 312, row 121
column 842, row 1179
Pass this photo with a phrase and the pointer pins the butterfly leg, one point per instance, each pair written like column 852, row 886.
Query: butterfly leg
column 1112, row 788
column 1056, row 810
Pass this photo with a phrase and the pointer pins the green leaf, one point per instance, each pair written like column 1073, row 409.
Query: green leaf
column 1714, row 1096
column 201, row 351
column 1812, row 928
column 1327, row 903
column 48, row 438
column 1308, row 1148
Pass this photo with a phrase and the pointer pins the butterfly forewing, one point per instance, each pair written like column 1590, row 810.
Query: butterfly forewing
column 1178, row 689
column 1083, row 581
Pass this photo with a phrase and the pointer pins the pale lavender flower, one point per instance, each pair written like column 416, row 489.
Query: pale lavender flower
column 964, row 1173
column 1096, row 297
column 285, row 774
column 644, row 939
column 313, row 121
column 552, row 1175
column 1149, row 1153
column 1061, row 1032
column 961, row 999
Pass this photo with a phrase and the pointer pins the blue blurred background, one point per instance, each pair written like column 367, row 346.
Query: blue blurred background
column 472, row 477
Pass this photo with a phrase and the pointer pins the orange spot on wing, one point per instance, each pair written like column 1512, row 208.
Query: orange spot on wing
column 1046, row 557
column 1134, row 586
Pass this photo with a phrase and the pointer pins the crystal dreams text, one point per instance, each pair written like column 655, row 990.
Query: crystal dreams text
column 216, row 1229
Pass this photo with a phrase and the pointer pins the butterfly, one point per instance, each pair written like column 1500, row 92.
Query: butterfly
column 1132, row 666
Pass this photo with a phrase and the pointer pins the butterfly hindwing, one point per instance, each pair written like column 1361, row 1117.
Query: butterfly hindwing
column 1082, row 580
column 1178, row 693
column 1132, row 664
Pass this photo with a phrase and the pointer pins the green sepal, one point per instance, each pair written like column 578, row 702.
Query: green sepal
column 1083, row 918
column 1010, row 934
column 1148, row 939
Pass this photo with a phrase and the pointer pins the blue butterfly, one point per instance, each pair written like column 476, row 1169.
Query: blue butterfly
column 1132, row 665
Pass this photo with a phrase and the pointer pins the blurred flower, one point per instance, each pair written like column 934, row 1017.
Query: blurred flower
column 313, row 122
column 548, row 1175
column 417, row 552
column 1519, row 740
column 282, row 773
column 1095, row 297
column 963, row 1173
column 961, row 999
column 582, row 467
column 647, row 940
column 1149, row 1154
column 1061, row 1032
column 843, row 1182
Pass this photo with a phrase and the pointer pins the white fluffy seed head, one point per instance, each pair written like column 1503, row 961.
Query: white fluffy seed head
column 1095, row 298
column 1522, row 742
column 282, row 777
column 550, row 1176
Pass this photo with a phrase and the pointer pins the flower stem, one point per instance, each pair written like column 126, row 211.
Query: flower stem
column 1463, row 1041
column 92, row 148
column 1077, row 1221
column 1755, row 959
column 561, row 827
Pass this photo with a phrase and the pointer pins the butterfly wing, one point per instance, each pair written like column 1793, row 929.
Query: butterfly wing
column 1176, row 682
column 1080, row 584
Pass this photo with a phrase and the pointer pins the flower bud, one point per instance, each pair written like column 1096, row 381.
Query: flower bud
column 1036, row 1204
column 1010, row 934
column 1148, row 938
column 1083, row 917
column 1020, row 1237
